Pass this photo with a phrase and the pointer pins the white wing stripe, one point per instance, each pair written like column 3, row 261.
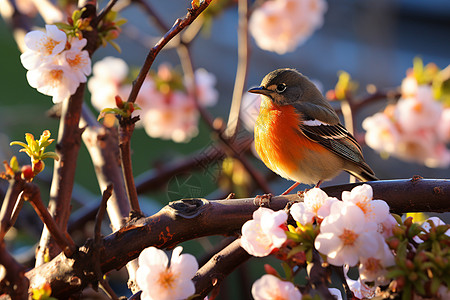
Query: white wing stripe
column 314, row 123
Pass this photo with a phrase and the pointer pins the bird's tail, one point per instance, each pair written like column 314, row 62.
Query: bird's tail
column 364, row 173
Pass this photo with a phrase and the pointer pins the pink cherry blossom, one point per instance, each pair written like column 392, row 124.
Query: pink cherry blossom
column 160, row 279
column 206, row 93
column 174, row 118
column 381, row 133
column 316, row 203
column 108, row 77
column 263, row 234
column 282, row 25
column 375, row 211
column 53, row 80
column 345, row 235
column 374, row 268
column 78, row 59
column 270, row 287
column 360, row 289
column 444, row 125
column 419, row 112
column 42, row 46
column 250, row 110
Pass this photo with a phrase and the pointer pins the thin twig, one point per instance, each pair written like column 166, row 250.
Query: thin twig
column 98, row 243
column 104, row 12
column 179, row 25
column 32, row 194
column 242, row 68
column 9, row 203
column 125, row 131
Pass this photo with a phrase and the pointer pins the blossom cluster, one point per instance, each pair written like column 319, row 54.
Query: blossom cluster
column 56, row 63
column 282, row 25
column 357, row 232
column 417, row 127
column 168, row 107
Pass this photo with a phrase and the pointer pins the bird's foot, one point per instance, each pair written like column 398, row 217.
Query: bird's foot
column 263, row 200
column 290, row 189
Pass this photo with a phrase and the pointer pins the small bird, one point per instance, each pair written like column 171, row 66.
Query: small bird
column 298, row 134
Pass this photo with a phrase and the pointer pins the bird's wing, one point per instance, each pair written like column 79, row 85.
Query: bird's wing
column 335, row 137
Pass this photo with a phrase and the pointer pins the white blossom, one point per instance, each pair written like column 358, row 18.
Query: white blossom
column 160, row 279
column 263, row 234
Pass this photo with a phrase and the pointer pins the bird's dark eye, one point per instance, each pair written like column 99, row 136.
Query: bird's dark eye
column 281, row 88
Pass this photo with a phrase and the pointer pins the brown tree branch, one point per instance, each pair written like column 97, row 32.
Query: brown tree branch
column 102, row 144
column 242, row 69
column 32, row 194
column 125, row 132
column 98, row 243
column 69, row 140
column 192, row 218
column 179, row 25
column 14, row 283
column 9, row 203
column 211, row 274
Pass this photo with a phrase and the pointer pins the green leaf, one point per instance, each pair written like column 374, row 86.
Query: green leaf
column 14, row 164
column 293, row 236
column 396, row 273
column 120, row 22
column 20, row 144
column 295, row 250
column 52, row 155
column 115, row 46
column 287, row 270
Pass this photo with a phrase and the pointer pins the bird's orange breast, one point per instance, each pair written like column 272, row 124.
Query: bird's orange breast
column 277, row 138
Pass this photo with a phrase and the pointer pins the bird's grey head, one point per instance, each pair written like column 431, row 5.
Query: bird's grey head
column 287, row 86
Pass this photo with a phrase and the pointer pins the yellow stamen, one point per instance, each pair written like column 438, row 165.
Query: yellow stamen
column 167, row 278
column 49, row 45
column 348, row 237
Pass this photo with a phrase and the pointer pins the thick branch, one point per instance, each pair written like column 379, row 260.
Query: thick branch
column 102, row 144
column 192, row 218
column 69, row 138
column 14, row 283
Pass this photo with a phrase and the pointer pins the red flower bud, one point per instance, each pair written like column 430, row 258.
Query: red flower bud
column 27, row 173
column 38, row 166
column 119, row 101
column 270, row 270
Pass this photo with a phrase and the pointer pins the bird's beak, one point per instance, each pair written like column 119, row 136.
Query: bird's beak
column 259, row 90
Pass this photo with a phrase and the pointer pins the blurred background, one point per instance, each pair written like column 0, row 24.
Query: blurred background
column 373, row 40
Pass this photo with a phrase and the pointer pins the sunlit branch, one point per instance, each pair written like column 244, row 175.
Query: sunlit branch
column 193, row 218
column 242, row 69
